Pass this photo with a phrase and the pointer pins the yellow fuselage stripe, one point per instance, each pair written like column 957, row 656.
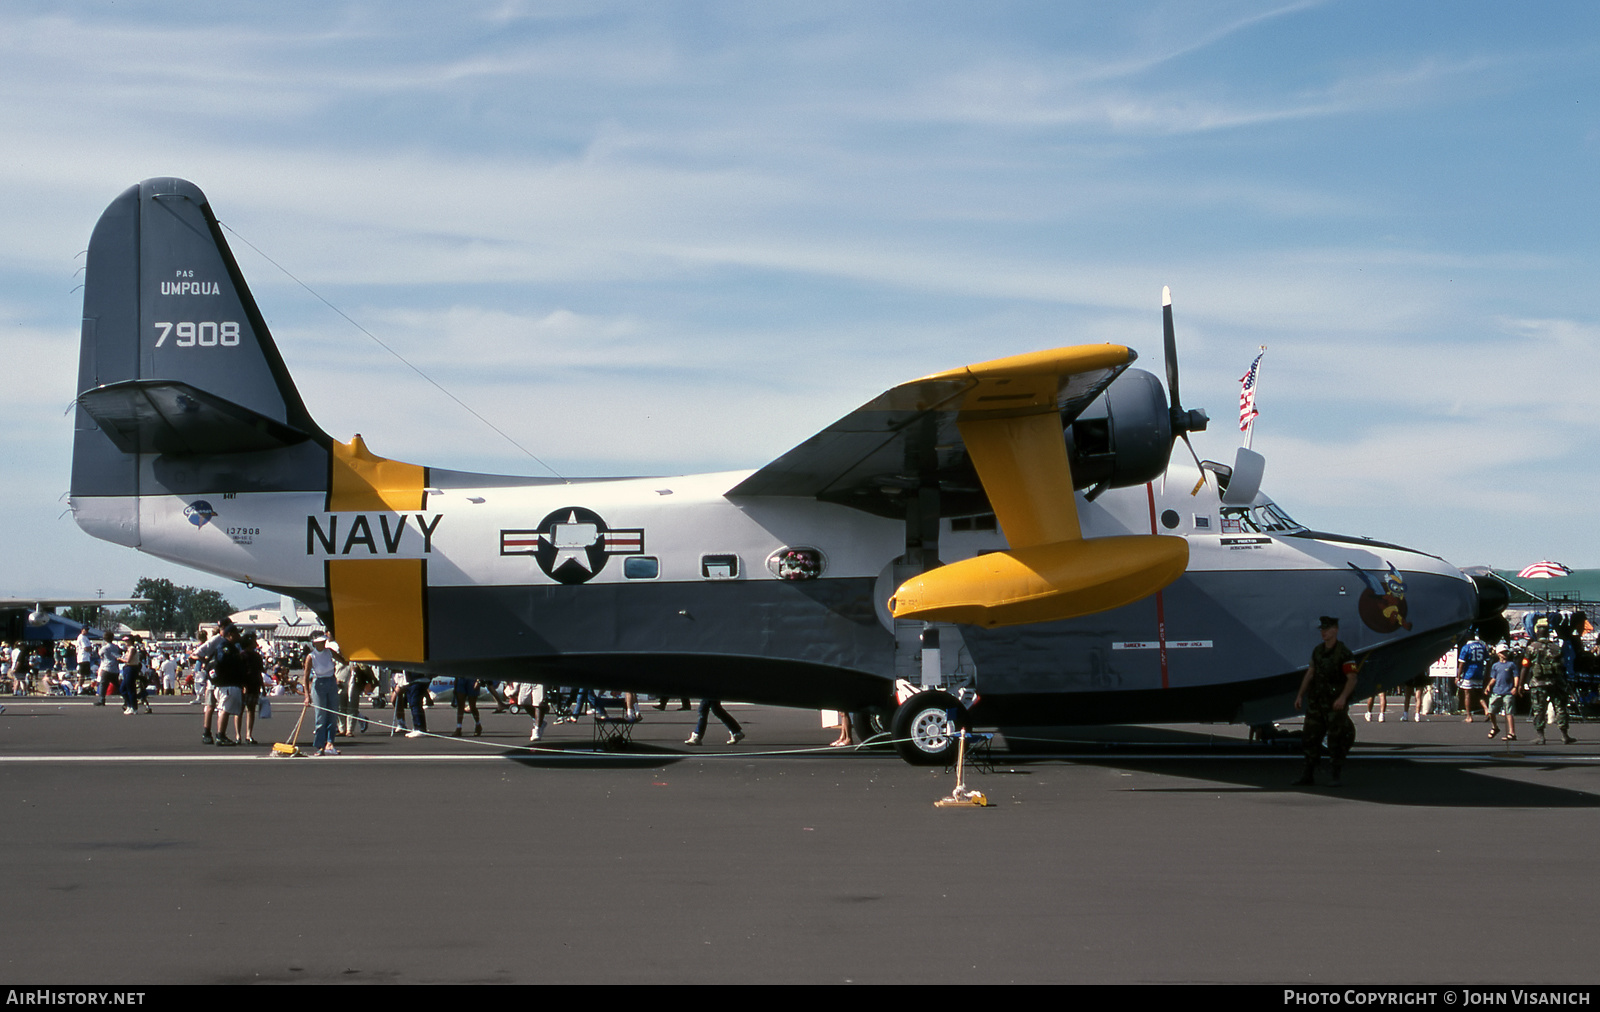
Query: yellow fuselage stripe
column 378, row 610
column 379, row 605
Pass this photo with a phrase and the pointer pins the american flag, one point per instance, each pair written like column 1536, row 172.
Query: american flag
column 1247, row 395
column 1544, row 570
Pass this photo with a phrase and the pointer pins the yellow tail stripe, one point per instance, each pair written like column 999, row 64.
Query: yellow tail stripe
column 361, row 480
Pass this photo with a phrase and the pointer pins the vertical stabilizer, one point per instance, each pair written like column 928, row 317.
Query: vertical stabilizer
column 175, row 357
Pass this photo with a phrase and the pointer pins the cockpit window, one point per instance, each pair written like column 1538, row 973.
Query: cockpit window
column 1266, row 518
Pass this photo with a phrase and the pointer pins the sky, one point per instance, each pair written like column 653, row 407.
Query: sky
column 658, row 238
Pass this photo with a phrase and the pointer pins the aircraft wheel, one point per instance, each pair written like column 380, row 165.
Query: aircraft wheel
column 869, row 724
column 924, row 734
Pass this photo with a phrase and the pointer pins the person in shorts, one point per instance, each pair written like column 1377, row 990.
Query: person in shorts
column 1505, row 681
column 226, row 661
column 1472, row 670
column 531, row 697
column 466, row 694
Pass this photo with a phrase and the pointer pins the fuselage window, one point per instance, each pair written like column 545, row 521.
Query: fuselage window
column 1241, row 516
column 1267, row 518
column 719, row 567
column 641, row 567
column 1275, row 519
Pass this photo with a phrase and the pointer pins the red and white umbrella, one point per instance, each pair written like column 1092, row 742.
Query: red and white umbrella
column 1544, row 570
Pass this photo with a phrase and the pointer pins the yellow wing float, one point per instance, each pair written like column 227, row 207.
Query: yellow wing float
column 1007, row 416
column 1010, row 420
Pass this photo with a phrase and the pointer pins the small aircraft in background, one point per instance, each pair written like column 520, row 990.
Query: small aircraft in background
column 1012, row 533
column 34, row 618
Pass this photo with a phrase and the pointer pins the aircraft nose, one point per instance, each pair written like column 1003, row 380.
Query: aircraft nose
column 1492, row 597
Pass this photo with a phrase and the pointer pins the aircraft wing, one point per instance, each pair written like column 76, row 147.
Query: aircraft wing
column 908, row 437
column 987, row 432
column 67, row 602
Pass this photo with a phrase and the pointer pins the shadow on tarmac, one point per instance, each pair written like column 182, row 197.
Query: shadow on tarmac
column 1386, row 782
column 1381, row 773
column 635, row 756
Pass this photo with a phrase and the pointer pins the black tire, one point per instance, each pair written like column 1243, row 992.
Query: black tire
column 924, row 735
column 869, row 724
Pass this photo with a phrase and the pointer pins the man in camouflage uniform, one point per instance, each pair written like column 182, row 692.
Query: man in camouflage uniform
column 1546, row 677
column 1324, row 692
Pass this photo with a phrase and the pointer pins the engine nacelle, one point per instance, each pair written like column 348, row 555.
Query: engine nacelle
column 1124, row 437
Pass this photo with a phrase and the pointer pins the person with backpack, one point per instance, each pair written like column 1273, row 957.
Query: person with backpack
column 1545, row 680
column 226, row 660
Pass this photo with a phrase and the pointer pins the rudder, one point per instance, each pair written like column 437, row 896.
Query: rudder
column 174, row 356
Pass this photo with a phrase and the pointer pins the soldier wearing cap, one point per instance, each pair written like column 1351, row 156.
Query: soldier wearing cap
column 1324, row 692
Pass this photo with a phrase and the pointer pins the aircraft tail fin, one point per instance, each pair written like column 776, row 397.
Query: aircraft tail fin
column 175, row 357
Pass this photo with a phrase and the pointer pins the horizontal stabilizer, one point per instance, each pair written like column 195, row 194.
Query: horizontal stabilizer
column 168, row 416
column 1043, row 583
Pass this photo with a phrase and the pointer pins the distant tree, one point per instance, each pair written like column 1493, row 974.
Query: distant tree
column 171, row 608
column 86, row 614
column 160, row 614
column 121, row 616
column 196, row 606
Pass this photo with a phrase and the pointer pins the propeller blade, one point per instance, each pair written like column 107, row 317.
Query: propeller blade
column 1183, row 422
column 1193, row 454
column 1171, row 343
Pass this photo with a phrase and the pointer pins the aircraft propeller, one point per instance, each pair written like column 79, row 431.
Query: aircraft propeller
column 1183, row 422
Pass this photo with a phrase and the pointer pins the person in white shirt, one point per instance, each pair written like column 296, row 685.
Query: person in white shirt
column 85, row 648
column 110, row 661
column 322, row 691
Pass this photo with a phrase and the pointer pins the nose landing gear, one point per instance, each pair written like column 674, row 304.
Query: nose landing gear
column 925, row 728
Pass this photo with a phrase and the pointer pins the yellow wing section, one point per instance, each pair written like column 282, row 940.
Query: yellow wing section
column 1010, row 419
column 987, row 436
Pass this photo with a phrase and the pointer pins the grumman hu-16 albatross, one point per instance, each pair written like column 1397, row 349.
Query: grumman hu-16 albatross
column 1005, row 533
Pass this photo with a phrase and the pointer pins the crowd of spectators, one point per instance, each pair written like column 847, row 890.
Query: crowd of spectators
column 1482, row 681
column 232, row 676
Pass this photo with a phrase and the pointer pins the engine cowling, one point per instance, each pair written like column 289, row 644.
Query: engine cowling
column 1124, row 437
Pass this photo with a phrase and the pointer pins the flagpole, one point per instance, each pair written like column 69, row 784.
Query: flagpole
column 1250, row 430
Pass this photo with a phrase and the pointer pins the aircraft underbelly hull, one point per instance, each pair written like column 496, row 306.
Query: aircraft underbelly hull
column 825, row 623
column 819, row 643
column 1214, row 631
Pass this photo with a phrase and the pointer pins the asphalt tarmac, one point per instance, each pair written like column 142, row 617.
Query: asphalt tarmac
column 134, row 854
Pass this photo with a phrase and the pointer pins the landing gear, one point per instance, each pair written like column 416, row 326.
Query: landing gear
column 872, row 727
column 924, row 733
